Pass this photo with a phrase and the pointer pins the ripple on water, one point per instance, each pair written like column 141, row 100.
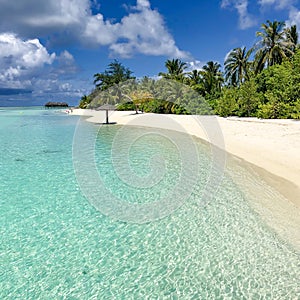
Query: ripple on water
column 54, row 244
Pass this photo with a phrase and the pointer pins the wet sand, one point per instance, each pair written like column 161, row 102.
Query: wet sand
column 273, row 146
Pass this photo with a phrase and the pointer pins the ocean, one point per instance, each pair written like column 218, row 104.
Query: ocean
column 119, row 216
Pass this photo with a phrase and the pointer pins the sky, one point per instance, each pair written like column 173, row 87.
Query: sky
column 50, row 49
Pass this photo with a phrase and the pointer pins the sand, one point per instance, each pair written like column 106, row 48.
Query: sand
column 269, row 149
column 273, row 146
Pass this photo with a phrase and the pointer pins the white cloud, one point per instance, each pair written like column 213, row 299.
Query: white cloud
column 246, row 20
column 194, row 65
column 295, row 16
column 142, row 30
column 278, row 4
column 41, row 16
column 26, row 64
column 289, row 5
column 65, row 64
column 28, row 53
column 54, row 89
column 141, row 4
column 145, row 32
column 101, row 32
column 21, row 58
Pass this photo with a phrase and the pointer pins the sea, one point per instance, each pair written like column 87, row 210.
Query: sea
column 133, row 213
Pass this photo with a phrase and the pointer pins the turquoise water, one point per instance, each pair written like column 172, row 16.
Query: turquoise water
column 56, row 245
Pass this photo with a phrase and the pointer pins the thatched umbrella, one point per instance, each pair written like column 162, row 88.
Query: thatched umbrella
column 106, row 107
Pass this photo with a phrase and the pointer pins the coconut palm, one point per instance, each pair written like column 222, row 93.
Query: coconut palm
column 212, row 77
column 195, row 77
column 195, row 80
column 114, row 74
column 292, row 37
column 273, row 45
column 237, row 66
column 175, row 69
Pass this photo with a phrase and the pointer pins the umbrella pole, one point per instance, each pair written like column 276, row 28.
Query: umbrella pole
column 106, row 116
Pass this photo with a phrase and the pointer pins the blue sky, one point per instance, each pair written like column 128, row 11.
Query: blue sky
column 49, row 50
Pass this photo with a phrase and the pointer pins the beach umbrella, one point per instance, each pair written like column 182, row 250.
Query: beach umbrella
column 106, row 107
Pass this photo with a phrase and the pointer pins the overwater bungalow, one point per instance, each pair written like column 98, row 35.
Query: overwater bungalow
column 56, row 104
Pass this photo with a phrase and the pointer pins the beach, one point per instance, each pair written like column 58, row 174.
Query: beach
column 231, row 233
column 272, row 146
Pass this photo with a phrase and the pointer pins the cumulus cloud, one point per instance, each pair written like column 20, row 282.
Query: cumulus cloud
column 146, row 33
column 20, row 59
column 246, row 20
column 143, row 30
column 65, row 64
column 39, row 17
column 25, row 64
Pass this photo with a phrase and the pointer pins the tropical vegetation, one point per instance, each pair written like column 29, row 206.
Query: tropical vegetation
column 263, row 81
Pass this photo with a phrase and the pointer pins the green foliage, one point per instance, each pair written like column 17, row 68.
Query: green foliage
column 163, row 107
column 292, row 38
column 227, row 104
column 175, row 69
column 273, row 45
column 237, row 66
column 248, row 99
column 114, row 74
column 242, row 101
column 155, row 106
column 85, row 101
column 126, row 106
column 212, row 78
column 281, row 89
column 274, row 93
column 268, row 87
column 274, row 110
column 295, row 110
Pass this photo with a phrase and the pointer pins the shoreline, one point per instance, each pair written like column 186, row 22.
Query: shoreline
column 270, row 146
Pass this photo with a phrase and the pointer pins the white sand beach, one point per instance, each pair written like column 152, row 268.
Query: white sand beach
column 269, row 149
column 271, row 145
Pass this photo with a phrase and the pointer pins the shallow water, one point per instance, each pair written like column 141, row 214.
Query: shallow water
column 56, row 245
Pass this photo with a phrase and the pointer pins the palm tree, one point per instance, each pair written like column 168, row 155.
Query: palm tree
column 273, row 46
column 212, row 77
column 292, row 37
column 114, row 74
column 195, row 77
column 237, row 66
column 175, row 69
column 195, row 80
